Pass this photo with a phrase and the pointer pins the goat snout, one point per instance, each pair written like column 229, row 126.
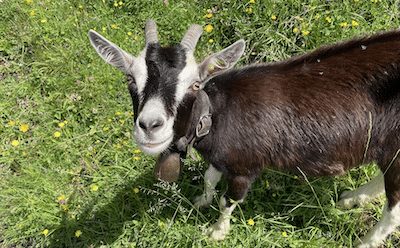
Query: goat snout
column 151, row 125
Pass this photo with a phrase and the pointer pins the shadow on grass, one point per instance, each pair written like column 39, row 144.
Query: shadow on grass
column 103, row 224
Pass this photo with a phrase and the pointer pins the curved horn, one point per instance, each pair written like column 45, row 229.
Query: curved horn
column 150, row 31
column 191, row 37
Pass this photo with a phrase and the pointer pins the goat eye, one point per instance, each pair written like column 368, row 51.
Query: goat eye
column 196, row 86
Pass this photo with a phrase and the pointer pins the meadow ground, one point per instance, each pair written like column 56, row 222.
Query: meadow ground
column 70, row 173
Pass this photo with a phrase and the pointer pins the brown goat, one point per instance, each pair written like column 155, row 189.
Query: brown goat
column 316, row 115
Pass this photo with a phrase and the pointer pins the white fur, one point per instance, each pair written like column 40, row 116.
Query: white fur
column 390, row 220
column 139, row 72
column 363, row 194
column 211, row 178
column 186, row 77
column 160, row 140
column 220, row 229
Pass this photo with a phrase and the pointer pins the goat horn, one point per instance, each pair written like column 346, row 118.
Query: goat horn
column 192, row 36
column 151, row 32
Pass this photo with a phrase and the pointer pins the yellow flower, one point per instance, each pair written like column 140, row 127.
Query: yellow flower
column 252, row 1
column 32, row 13
column 136, row 158
column 296, row 30
column 61, row 124
column 210, row 41
column 305, row 32
column 116, row 4
column 45, row 232
column 284, row 234
column 57, row 134
column 61, row 198
column 273, row 17
column 328, row 19
column 135, row 190
column 43, row 20
column 374, row 1
column 80, row 6
column 129, row 33
column 249, row 10
column 344, row 24
column 120, row 3
column 15, row 143
column 114, row 26
column 137, row 151
column 103, row 29
column 118, row 113
column 105, row 129
column 28, row 1
column 11, row 123
column 354, row 23
column 250, row 222
column 24, row 128
column 94, row 187
column 78, row 233
column 208, row 28
column 209, row 15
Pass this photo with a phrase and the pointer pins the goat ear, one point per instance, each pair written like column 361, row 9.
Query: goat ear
column 110, row 52
column 222, row 61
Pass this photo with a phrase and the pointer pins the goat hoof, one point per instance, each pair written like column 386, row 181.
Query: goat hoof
column 217, row 232
column 347, row 200
column 201, row 201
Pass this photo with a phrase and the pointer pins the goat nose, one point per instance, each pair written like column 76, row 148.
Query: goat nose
column 151, row 125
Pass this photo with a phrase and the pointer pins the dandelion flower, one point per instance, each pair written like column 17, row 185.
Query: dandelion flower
column 118, row 113
column 305, row 32
column 252, row 1
column 129, row 33
column 250, row 222
column 354, row 23
column 32, row 13
column 273, row 17
column 284, row 234
column 249, row 10
column 374, row 1
column 45, row 232
column 136, row 158
column 28, row 1
column 11, row 123
column 137, row 151
column 114, row 26
column 328, row 19
column 94, row 188
column 57, row 134
column 24, row 128
column 343, row 24
column 209, row 15
column 210, row 41
column 208, row 28
column 120, row 3
column 135, row 190
column 61, row 199
column 43, row 20
column 15, row 143
column 296, row 30
column 115, row 4
column 80, row 6
column 78, row 233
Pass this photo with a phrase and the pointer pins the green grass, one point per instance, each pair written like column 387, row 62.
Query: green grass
column 92, row 179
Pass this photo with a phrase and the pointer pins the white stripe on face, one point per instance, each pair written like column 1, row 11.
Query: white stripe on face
column 188, row 75
column 139, row 72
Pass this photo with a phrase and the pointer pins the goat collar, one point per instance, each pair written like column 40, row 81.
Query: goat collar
column 199, row 123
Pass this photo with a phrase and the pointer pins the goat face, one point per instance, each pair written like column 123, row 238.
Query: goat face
column 160, row 77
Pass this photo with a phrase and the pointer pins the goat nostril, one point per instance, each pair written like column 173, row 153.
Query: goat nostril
column 142, row 125
column 157, row 124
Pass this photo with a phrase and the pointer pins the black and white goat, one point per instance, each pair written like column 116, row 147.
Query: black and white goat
column 318, row 114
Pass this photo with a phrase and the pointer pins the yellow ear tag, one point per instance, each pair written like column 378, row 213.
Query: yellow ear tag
column 211, row 68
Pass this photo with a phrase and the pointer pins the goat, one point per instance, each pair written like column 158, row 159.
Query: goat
column 317, row 114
